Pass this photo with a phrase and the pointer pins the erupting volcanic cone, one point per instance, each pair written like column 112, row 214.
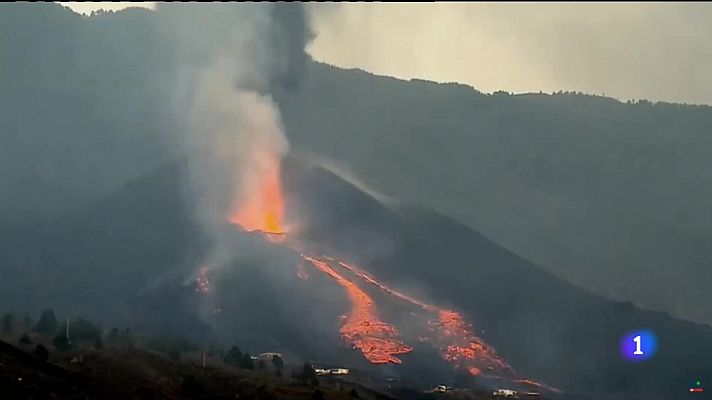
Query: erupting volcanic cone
column 263, row 208
column 362, row 327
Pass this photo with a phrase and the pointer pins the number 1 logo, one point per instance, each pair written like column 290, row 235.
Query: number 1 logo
column 638, row 344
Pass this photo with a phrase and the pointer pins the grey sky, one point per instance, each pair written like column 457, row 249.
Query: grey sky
column 657, row 51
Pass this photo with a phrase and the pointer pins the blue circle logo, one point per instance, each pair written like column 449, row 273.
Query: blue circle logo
column 639, row 345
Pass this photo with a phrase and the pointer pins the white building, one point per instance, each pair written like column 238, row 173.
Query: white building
column 504, row 393
column 339, row 371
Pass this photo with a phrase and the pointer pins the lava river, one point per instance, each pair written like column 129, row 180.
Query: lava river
column 379, row 342
column 447, row 331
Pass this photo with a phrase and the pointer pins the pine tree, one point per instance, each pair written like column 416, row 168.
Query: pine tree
column 47, row 323
column 233, row 356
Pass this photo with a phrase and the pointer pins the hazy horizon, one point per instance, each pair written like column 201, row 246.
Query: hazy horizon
column 617, row 49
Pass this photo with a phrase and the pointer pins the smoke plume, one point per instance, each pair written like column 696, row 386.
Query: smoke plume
column 230, row 58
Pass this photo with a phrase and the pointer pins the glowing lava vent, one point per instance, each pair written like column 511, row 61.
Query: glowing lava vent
column 261, row 207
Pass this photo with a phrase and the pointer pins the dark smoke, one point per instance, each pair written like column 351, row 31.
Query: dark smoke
column 292, row 35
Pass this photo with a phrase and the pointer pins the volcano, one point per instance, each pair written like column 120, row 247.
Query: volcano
column 390, row 288
column 362, row 328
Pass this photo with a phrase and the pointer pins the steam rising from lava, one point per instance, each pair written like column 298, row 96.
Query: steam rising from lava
column 230, row 58
column 245, row 142
column 233, row 135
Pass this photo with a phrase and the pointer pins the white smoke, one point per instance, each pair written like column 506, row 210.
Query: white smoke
column 231, row 56
column 236, row 129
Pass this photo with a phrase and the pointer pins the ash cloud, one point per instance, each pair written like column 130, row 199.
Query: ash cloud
column 230, row 58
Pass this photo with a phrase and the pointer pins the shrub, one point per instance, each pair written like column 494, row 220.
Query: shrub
column 233, row 356
column 41, row 352
column 278, row 362
column 308, row 375
column 25, row 339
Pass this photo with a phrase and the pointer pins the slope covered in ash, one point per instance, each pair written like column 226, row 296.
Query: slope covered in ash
column 95, row 258
column 130, row 260
column 587, row 187
column 543, row 326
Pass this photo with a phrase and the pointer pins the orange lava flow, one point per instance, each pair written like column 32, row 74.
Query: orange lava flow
column 263, row 208
column 386, row 289
column 453, row 336
column 377, row 340
column 461, row 346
